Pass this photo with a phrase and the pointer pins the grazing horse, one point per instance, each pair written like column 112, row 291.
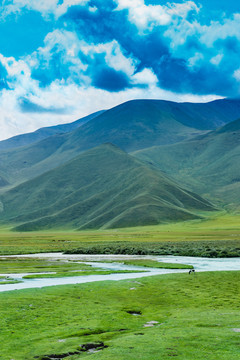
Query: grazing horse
column 191, row 271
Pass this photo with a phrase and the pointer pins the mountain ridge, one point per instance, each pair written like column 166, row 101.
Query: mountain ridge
column 44, row 132
column 132, row 126
column 208, row 164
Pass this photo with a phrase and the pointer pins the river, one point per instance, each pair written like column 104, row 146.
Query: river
column 200, row 264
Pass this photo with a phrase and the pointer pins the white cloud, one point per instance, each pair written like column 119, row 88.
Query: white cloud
column 113, row 55
column 80, row 96
column 45, row 7
column 182, row 9
column 62, row 9
column 145, row 77
column 80, row 99
column 147, row 17
column 70, row 46
column 179, row 32
column 15, row 68
column 216, row 59
column 236, row 74
column 201, row 45
column 144, row 17
column 195, row 60
column 217, row 30
column 63, row 94
column 92, row 9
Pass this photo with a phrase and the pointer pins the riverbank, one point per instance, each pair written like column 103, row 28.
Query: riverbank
column 58, row 269
column 94, row 268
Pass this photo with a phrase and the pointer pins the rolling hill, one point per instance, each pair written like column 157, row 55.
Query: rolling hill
column 208, row 164
column 101, row 188
column 42, row 133
column 132, row 126
column 138, row 124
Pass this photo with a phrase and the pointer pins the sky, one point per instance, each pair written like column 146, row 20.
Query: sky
column 63, row 59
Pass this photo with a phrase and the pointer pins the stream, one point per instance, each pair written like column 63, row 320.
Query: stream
column 200, row 264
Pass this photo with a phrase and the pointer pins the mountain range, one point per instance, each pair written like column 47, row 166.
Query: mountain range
column 127, row 166
column 208, row 164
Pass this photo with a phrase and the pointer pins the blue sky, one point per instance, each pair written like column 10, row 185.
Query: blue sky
column 63, row 59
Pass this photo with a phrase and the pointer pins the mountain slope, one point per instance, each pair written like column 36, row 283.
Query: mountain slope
column 138, row 124
column 103, row 187
column 42, row 133
column 208, row 164
column 133, row 125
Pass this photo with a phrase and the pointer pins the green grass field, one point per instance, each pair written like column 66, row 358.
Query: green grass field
column 220, row 234
column 194, row 317
column 152, row 264
column 187, row 317
column 9, row 281
column 39, row 268
column 53, row 269
column 28, row 265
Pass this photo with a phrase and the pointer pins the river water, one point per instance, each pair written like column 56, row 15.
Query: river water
column 200, row 264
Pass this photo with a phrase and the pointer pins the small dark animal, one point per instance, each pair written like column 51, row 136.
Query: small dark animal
column 191, row 271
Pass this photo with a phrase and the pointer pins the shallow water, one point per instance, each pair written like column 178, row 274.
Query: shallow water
column 204, row 264
column 200, row 264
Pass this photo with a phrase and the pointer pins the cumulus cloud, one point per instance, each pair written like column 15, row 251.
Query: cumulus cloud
column 113, row 56
column 145, row 77
column 79, row 100
column 45, row 7
column 220, row 30
column 67, row 58
column 102, row 53
column 147, row 17
column 216, row 60
column 63, row 99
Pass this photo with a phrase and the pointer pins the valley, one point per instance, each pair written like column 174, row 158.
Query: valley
column 134, row 184
column 119, row 180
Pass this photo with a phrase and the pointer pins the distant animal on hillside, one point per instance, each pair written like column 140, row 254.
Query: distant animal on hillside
column 191, row 271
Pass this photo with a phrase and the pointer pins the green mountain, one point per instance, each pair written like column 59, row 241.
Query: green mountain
column 208, row 164
column 139, row 124
column 40, row 134
column 132, row 126
column 101, row 188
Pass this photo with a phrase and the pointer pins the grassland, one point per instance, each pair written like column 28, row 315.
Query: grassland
column 9, row 281
column 39, row 268
column 217, row 236
column 28, row 265
column 51, row 269
column 80, row 273
column 153, row 264
column 178, row 315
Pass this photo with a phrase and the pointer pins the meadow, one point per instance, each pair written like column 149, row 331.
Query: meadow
column 217, row 236
column 39, row 268
column 160, row 317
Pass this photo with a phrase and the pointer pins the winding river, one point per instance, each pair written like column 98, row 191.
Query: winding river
column 200, row 264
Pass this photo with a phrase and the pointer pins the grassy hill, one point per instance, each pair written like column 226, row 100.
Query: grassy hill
column 101, row 188
column 139, row 124
column 42, row 133
column 131, row 126
column 208, row 164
